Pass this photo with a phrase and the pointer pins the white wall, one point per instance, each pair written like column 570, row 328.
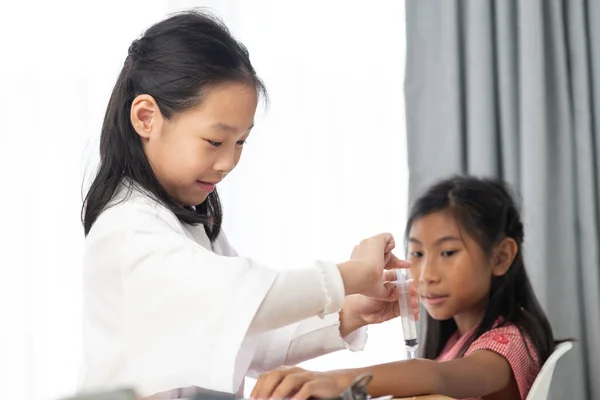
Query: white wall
column 325, row 166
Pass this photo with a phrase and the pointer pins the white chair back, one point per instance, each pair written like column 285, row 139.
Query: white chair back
column 541, row 385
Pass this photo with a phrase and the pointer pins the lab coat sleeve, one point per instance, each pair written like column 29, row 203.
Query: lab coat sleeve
column 280, row 306
column 299, row 342
column 186, row 310
column 315, row 337
column 296, row 290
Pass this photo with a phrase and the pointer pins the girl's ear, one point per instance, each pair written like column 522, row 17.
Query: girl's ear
column 145, row 116
column 503, row 256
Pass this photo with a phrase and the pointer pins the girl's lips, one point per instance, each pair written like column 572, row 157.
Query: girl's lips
column 206, row 186
column 434, row 299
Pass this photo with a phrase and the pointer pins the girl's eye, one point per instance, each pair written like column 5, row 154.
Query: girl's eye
column 213, row 143
column 449, row 253
column 416, row 254
column 241, row 142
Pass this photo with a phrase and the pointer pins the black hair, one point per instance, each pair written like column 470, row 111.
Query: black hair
column 176, row 61
column 487, row 211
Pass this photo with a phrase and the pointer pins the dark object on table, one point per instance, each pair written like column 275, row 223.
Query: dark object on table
column 356, row 391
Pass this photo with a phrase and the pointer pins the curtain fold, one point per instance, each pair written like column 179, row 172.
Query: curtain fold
column 511, row 89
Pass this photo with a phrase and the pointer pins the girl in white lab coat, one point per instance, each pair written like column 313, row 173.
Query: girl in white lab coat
column 169, row 306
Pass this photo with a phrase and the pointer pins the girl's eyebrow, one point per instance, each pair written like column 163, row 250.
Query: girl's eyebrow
column 228, row 128
column 441, row 240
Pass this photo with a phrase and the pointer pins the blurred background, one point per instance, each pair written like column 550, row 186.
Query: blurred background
column 497, row 88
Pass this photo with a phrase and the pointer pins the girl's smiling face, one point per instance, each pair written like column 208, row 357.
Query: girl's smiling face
column 194, row 150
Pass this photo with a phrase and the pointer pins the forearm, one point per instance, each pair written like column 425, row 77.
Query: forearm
column 461, row 378
column 400, row 379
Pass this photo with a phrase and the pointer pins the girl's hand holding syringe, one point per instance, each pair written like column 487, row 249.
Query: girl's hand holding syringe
column 360, row 310
column 364, row 272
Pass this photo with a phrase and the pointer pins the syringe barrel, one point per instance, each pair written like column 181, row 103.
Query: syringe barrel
column 409, row 326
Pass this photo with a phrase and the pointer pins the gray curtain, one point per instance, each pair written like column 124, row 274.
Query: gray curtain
column 511, row 89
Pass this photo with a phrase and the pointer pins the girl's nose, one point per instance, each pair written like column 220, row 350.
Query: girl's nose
column 226, row 161
column 428, row 273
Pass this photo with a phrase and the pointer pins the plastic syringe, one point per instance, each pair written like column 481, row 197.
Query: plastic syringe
column 409, row 326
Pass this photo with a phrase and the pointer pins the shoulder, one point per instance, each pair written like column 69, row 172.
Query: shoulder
column 129, row 214
column 505, row 340
column 515, row 346
column 131, row 207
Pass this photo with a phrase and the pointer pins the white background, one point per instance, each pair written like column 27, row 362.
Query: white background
column 324, row 167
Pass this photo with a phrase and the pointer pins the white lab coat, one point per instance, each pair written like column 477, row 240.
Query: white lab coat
column 164, row 309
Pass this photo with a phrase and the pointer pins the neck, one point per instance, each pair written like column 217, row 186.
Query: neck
column 469, row 319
